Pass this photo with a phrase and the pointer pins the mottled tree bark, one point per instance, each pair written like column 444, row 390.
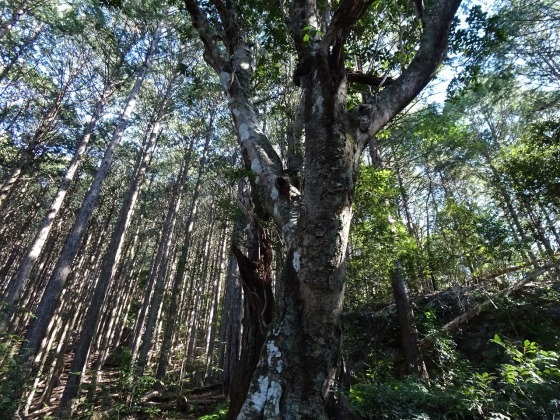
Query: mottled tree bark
column 297, row 371
column 256, row 278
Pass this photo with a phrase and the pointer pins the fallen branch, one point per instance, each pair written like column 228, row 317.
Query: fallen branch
column 472, row 313
column 512, row 269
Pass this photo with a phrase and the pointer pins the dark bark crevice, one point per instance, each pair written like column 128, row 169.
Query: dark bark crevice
column 256, row 279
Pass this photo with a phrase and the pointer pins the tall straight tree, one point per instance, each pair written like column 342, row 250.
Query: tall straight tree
column 63, row 267
column 113, row 254
column 178, row 277
column 298, row 367
column 46, row 225
column 44, row 131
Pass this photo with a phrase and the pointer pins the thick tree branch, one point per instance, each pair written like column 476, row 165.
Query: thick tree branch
column 228, row 16
column 211, row 51
column 235, row 72
column 433, row 46
column 368, row 79
column 345, row 16
column 303, row 14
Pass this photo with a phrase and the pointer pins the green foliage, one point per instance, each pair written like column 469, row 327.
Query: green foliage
column 531, row 378
column 531, row 164
column 11, row 374
column 219, row 413
column 373, row 234
column 468, row 240
column 402, row 399
column 526, row 386
column 384, row 40
column 131, row 388
column 474, row 43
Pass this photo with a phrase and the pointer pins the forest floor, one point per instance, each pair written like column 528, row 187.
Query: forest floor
column 372, row 343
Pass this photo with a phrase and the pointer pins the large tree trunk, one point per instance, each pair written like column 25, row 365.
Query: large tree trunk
column 296, row 374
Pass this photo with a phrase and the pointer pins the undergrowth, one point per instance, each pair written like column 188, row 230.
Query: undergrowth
column 525, row 383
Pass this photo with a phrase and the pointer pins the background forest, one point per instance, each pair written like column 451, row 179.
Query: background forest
column 124, row 203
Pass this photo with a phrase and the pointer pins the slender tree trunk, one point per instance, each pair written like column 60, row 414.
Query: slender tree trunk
column 40, row 238
column 39, row 138
column 214, row 304
column 405, row 314
column 154, row 291
column 409, row 333
column 550, row 223
column 14, row 59
column 230, row 326
column 197, row 310
column 181, row 266
column 111, row 259
column 507, row 202
column 63, row 267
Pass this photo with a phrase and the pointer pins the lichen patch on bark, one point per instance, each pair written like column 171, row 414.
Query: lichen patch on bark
column 274, row 356
column 296, row 262
column 255, row 164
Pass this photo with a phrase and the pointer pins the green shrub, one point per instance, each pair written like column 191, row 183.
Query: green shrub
column 219, row 413
column 526, row 385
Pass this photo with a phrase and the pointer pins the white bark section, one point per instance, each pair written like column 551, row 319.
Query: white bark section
column 297, row 260
column 274, row 354
column 256, row 400
column 266, row 399
column 272, row 410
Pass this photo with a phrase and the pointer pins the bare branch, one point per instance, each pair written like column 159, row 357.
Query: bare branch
column 368, row 79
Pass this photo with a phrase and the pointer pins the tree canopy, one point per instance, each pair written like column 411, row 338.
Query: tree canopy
column 211, row 203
